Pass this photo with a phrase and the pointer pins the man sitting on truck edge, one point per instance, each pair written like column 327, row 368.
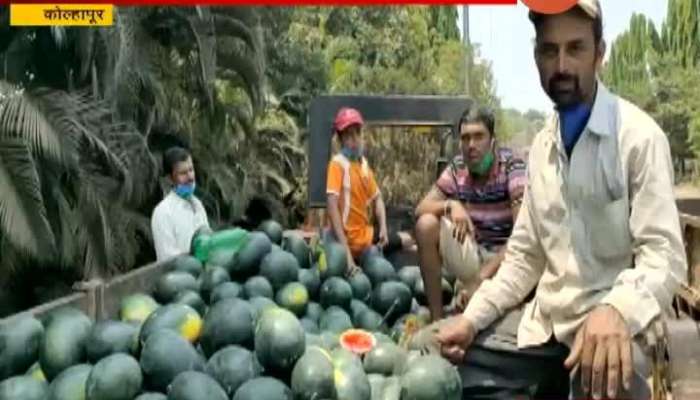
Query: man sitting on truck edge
column 470, row 209
column 180, row 214
column 598, row 236
column 351, row 189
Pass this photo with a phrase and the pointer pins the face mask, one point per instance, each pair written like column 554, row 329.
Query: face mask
column 352, row 154
column 184, row 190
column 482, row 167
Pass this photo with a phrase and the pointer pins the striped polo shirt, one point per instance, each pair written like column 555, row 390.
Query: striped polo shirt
column 490, row 204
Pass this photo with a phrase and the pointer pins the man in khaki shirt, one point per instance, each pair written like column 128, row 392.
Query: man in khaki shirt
column 598, row 234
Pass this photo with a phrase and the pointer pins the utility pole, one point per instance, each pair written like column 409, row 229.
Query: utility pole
column 467, row 43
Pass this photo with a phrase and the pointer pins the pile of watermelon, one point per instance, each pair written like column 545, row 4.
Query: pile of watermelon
column 275, row 320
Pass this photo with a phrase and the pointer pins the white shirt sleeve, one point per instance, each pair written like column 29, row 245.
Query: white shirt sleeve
column 164, row 239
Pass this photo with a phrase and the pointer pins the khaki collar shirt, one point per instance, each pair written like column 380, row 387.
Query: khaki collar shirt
column 599, row 228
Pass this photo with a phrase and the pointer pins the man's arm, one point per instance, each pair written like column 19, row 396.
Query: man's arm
column 435, row 202
column 163, row 237
column 333, row 210
column 641, row 293
column 519, row 273
column 489, row 269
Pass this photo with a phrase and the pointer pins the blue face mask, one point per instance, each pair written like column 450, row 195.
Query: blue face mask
column 184, row 190
column 352, row 154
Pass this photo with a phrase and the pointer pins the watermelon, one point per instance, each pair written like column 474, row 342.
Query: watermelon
column 376, row 383
column 392, row 298
column 232, row 366
column 279, row 339
column 335, row 320
column 36, row 373
column 24, row 388
column 331, row 340
column 336, row 292
column 410, row 275
column 260, row 304
column 310, row 278
column 280, row 268
column 165, row 355
column 179, row 318
column 294, row 297
column 368, row 254
column 192, row 299
column 248, row 259
column 230, row 321
column 263, row 388
column 392, row 388
column 110, row 337
column 187, row 264
column 314, row 311
column 357, row 341
column 224, row 258
column 351, row 381
column 309, row 325
column 226, row 290
column 212, row 277
column 385, row 358
column 379, row 270
column 70, row 383
column 172, row 283
column 115, row 377
column 296, row 245
column 382, row 337
column 273, row 230
column 361, row 286
column 333, row 260
column 370, row 320
column 409, row 323
column 356, row 308
column 151, row 396
column 343, row 357
column 313, row 376
column 313, row 339
column 193, row 385
column 19, row 345
column 258, row 286
column 137, row 307
column 419, row 292
column 431, row 377
column 64, row 341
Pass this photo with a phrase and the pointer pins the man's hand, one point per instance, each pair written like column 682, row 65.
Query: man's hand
column 603, row 349
column 454, row 337
column 383, row 236
column 461, row 220
column 352, row 268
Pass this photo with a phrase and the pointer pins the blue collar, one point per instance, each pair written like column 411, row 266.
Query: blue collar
column 573, row 121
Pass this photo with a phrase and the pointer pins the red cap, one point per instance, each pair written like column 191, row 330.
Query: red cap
column 347, row 117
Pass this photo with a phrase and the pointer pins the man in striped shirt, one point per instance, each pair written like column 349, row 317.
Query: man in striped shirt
column 466, row 218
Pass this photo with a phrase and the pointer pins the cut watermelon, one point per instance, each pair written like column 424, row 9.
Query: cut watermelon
column 358, row 341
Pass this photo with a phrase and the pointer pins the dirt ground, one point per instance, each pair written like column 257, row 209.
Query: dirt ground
column 687, row 191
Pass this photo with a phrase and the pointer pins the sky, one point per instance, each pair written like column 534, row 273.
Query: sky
column 505, row 36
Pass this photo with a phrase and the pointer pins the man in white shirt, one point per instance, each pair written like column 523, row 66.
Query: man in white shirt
column 180, row 214
column 598, row 235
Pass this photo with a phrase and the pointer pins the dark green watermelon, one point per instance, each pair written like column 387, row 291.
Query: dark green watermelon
column 64, row 341
column 310, row 278
column 351, row 381
column 70, row 384
column 310, row 326
column 409, row 275
column 335, row 320
column 379, row 270
column 228, row 322
column 172, row 283
column 258, row 286
column 280, row 268
column 137, row 307
column 19, row 345
column 279, row 340
column 24, row 388
column 224, row 258
column 249, row 257
column 314, row 311
column 419, row 292
column 192, row 299
column 393, row 299
column 232, row 366
column 264, row 388
column 294, row 297
column 164, row 356
column 361, row 286
column 385, row 358
column 431, row 377
column 115, row 377
column 110, row 337
column 356, row 308
column 187, row 264
column 336, row 292
column 226, row 290
column 212, row 277
column 260, row 304
column 370, row 320
column 193, row 385
column 151, row 396
column 296, row 245
column 179, row 318
column 273, row 230
column 313, row 376
column 333, row 261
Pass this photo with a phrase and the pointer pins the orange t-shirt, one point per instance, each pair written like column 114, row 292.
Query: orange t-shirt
column 356, row 190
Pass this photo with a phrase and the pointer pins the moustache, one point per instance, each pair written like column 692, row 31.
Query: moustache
column 564, row 78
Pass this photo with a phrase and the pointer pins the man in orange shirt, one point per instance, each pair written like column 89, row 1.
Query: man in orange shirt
column 352, row 191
